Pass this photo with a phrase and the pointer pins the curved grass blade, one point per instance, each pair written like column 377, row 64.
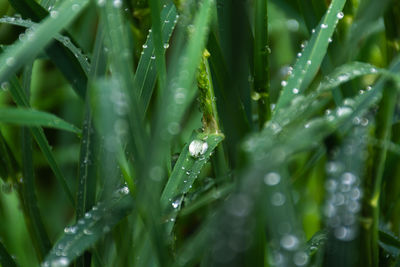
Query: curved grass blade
column 389, row 242
column 65, row 61
column 32, row 215
column 145, row 77
column 21, row 100
column 83, row 61
column 194, row 155
column 31, row 117
column 93, row 226
column 351, row 71
column 5, row 258
column 310, row 60
column 22, row 51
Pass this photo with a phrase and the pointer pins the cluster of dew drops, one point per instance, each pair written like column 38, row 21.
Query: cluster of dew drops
column 289, row 70
column 344, row 193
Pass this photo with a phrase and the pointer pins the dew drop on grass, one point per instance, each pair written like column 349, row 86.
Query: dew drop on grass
column 62, row 261
column 10, row 61
column 144, row 46
column 117, row 3
column 343, row 111
column 278, row 199
column 289, row 242
column 166, row 45
column 153, row 57
column 53, row 14
column 87, row 232
column 300, row 258
column 295, row 91
column 284, row 83
column 272, row 178
column 5, row 86
column 175, row 204
column 340, row 15
column 324, row 26
column 197, row 148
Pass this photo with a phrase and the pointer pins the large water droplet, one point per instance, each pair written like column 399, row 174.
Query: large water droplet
column 340, row 15
column 272, row 178
column 197, row 148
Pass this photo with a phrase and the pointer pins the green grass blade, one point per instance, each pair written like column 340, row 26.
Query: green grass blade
column 31, row 117
column 82, row 59
column 21, row 99
column 155, row 10
column 261, row 65
column 185, row 172
column 62, row 58
column 5, row 258
column 145, row 77
column 33, row 217
column 310, row 60
column 23, row 51
column 350, row 71
column 93, row 226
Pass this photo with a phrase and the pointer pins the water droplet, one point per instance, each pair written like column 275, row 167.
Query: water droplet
column 300, row 258
column 153, row 57
column 10, row 61
column 75, row 7
column 53, row 14
column 87, row 231
column 324, row 26
column 62, row 261
column 166, row 45
column 101, row 3
column 308, row 62
column 295, row 91
column 197, row 148
column 5, row 86
column 124, row 190
column 88, row 215
column 144, row 46
column 284, row 83
column 343, row 111
column 278, row 199
column 117, row 3
column 289, row 242
column 272, row 178
column 176, row 203
column 340, row 15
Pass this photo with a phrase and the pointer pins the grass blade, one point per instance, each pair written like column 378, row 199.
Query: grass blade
column 22, row 51
column 310, row 60
column 185, row 172
column 93, row 226
column 31, row 117
column 66, row 41
column 145, row 77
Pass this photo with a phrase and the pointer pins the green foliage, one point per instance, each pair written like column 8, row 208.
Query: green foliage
column 171, row 133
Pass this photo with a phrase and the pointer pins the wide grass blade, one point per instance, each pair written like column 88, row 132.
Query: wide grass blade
column 62, row 58
column 191, row 160
column 65, row 40
column 31, row 117
column 310, row 59
column 23, row 51
column 93, row 226
column 146, row 73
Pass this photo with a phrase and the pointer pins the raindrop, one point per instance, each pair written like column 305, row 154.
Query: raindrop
column 10, row 61
column 197, row 148
column 278, row 199
column 340, row 15
column 289, row 242
column 117, row 3
column 272, row 178
column 53, row 14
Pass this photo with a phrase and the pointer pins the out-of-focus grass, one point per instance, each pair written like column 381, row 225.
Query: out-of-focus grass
column 199, row 133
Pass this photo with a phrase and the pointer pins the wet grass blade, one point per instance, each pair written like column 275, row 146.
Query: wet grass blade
column 65, row 61
column 5, row 258
column 23, row 51
column 310, row 60
column 185, row 172
column 31, row 117
column 21, row 100
column 66, row 41
column 93, row 226
column 146, row 73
